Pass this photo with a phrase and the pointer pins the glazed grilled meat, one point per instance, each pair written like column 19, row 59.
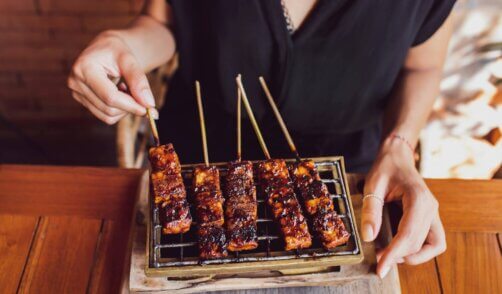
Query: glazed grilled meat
column 330, row 229
column 318, row 204
column 168, row 190
column 212, row 242
column 241, row 207
column 210, row 214
column 164, row 158
column 281, row 198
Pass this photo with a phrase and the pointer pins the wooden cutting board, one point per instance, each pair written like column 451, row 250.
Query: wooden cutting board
column 360, row 278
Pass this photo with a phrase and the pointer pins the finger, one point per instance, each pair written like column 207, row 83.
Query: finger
column 371, row 219
column 412, row 231
column 89, row 95
column 123, row 87
column 110, row 120
column 435, row 244
column 136, row 81
column 379, row 256
column 99, row 83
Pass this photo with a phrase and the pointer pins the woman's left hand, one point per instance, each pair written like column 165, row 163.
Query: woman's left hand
column 420, row 235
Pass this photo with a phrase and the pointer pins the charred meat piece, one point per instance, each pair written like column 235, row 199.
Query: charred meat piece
column 164, row 158
column 240, row 207
column 168, row 190
column 210, row 214
column 281, row 198
column 328, row 226
column 206, row 179
column 175, row 217
column 331, row 230
column 209, row 209
column 316, row 198
column 212, row 242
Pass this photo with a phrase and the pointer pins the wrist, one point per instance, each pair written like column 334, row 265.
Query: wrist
column 398, row 146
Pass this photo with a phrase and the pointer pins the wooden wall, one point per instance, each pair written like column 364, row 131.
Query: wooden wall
column 39, row 40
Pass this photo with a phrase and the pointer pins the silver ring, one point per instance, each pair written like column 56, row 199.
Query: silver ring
column 371, row 195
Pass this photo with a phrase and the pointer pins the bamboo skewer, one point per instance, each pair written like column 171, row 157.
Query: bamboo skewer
column 278, row 116
column 153, row 126
column 151, row 118
column 202, row 123
column 252, row 118
column 239, row 135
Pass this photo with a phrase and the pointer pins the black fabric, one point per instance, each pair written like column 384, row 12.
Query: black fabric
column 332, row 78
column 436, row 17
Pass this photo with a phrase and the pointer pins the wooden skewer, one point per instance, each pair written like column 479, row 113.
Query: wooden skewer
column 278, row 116
column 252, row 118
column 153, row 126
column 239, row 136
column 202, row 123
column 151, row 118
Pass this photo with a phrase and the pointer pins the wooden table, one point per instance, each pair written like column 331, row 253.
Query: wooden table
column 66, row 229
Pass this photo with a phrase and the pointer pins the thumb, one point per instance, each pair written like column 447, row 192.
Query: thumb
column 371, row 219
column 136, row 80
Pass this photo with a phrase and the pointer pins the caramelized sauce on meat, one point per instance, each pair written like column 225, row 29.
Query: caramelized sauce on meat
column 318, row 204
column 210, row 214
column 281, row 198
column 240, row 207
column 169, row 192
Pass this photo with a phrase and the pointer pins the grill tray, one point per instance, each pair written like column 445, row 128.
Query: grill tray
column 177, row 255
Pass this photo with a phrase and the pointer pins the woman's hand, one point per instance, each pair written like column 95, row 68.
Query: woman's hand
column 107, row 57
column 420, row 236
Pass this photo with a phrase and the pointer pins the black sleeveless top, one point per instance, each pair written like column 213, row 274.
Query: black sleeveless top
column 331, row 79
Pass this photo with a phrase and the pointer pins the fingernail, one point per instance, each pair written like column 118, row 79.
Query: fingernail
column 384, row 272
column 147, row 97
column 367, row 232
column 154, row 113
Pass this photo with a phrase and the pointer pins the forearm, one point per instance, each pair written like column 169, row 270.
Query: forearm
column 417, row 87
column 412, row 103
column 149, row 36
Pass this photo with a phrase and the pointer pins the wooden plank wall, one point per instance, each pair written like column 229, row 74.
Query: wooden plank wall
column 39, row 40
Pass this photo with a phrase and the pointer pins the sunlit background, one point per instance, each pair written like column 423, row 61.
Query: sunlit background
column 40, row 123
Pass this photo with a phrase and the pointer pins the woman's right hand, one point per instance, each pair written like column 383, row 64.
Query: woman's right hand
column 109, row 57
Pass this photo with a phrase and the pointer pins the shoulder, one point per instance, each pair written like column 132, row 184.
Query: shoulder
column 431, row 15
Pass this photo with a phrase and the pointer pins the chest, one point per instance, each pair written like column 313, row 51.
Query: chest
column 295, row 12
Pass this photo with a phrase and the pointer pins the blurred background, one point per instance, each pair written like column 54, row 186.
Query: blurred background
column 41, row 124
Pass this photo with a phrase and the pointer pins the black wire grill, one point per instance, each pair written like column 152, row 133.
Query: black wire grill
column 167, row 251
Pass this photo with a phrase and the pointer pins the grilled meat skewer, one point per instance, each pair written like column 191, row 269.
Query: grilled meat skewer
column 168, row 190
column 210, row 215
column 281, row 198
column 240, row 207
column 318, row 204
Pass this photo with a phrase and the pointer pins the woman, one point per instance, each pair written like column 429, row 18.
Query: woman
column 356, row 78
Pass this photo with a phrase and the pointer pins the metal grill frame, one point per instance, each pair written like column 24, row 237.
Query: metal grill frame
column 236, row 262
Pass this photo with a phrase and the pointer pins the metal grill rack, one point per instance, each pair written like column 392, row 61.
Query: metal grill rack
column 177, row 255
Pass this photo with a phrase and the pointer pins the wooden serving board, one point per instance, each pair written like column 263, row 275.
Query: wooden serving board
column 356, row 278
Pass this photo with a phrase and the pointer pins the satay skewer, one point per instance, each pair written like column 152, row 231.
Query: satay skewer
column 314, row 193
column 240, row 206
column 281, row 198
column 209, row 200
